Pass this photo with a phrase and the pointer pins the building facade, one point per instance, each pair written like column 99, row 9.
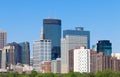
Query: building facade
column 8, row 58
column 11, row 55
column 80, row 32
column 52, row 31
column 104, row 46
column 3, row 39
column 25, row 49
column 100, row 62
column 81, row 60
column 56, row 66
column 68, row 43
column 41, row 52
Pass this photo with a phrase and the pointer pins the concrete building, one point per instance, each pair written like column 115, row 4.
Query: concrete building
column 3, row 38
column 68, row 43
column 52, row 31
column 41, row 52
column 56, row 66
column 79, row 60
column 45, row 66
column 8, row 58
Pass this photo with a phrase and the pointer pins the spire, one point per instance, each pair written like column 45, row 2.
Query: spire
column 42, row 35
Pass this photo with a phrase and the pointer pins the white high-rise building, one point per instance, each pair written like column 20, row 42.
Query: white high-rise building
column 81, row 60
column 41, row 52
column 68, row 43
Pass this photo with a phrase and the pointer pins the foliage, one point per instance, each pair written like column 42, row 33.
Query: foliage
column 106, row 73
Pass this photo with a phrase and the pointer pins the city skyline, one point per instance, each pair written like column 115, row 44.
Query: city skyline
column 21, row 18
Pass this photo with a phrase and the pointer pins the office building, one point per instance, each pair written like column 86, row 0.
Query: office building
column 8, row 58
column 79, row 60
column 25, row 49
column 3, row 39
column 17, row 52
column 41, row 52
column 52, row 31
column 80, row 32
column 104, row 46
column 56, row 66
column 11, row 55
column 68, row 43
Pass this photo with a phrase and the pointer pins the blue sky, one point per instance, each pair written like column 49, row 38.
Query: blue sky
column 22, row 19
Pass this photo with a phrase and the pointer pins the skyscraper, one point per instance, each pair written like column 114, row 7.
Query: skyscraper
column 68, row 43
column 3, row 38
column 52, row 31
column 104, row 46
column 41, row 52
column 78, row 31
column 25, row 49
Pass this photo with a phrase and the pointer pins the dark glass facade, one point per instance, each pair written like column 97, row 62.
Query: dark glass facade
column 52, row 31
column 104, row 46
column 25, row 49
column 78, row 31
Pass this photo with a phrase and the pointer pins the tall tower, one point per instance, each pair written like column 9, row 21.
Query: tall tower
column 104, row 46
column 3, row 38
column 52, row 31
column 25, row 48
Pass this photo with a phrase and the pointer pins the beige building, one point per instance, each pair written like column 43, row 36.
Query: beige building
column 3, row 38
column 8, row 56
column 56, row 66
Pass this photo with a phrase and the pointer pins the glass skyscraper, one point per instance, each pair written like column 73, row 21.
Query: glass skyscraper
column 52, row 31
column 104, row 46
column 78, row 31
column 25, row 49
